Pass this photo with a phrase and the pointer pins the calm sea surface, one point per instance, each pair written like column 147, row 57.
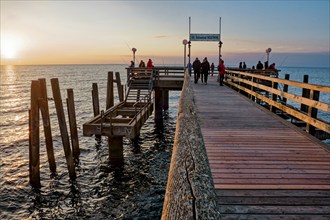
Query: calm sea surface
column 135, row 190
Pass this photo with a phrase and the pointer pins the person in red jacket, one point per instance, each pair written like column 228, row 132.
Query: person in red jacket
column 222, row 70
column 149, row 64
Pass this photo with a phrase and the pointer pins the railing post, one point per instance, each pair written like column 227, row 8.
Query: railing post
column 312, row 112
column 274, row 97
column 286, row 87
column 305, row 93
column 253, row 98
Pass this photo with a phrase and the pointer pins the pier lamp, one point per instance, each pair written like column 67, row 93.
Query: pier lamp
column 268, row 52
column 134, row 50
column 184, row 42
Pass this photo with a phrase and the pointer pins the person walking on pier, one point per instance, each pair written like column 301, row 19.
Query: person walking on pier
column 197, row 69
column 212, row 69
column 205, row 70
column 222, row 70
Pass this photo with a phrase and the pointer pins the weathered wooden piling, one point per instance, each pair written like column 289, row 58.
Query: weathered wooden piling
column 43, row 105
column 109, row 99
column 73, row 125
column 95, row 98
column 63, row 128
column 120, row 87
column 34, row 143
column 96, row 103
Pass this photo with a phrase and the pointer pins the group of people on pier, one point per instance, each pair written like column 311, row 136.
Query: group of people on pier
column 259, row 66
column 142, row 64
column 202, row 70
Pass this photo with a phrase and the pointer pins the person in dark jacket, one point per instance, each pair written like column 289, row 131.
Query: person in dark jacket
column 197, row 69
column 205, row 70
column 212, row 69
column 259, row 66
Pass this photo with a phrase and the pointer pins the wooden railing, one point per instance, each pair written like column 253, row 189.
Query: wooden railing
column 161, row 71
column 254, row 84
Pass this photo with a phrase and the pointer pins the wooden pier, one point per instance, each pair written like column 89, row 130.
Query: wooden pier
column 262, row 166
column 147, row 90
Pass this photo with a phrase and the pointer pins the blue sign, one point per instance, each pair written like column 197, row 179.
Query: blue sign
column 204, row 37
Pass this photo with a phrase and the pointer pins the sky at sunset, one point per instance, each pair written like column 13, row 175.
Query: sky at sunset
column 104, row 32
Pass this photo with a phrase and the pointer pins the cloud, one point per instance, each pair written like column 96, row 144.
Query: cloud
column 161, row 36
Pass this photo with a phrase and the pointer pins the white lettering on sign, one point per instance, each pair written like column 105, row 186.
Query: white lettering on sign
column 204, row 37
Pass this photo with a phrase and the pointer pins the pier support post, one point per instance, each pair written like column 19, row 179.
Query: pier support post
column 116, row 152
column 158, row 105
column 165, row 99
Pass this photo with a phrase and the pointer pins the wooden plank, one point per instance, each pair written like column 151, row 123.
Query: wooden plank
column 262, row 167
column 273, row 193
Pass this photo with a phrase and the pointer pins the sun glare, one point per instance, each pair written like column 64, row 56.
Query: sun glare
column 9, row 47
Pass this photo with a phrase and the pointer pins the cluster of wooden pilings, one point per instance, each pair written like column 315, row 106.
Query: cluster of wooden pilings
column 39, row 103
column 115, row 148
column 110, row 93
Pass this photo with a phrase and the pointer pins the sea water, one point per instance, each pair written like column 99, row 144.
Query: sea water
column 101, row 191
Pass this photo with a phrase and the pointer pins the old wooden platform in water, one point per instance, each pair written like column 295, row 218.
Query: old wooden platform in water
column 262, row 166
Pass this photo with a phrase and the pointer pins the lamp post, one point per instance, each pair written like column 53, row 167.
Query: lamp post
column 189, row 45
column 184, row 42
column 268, row 52
column 134, row 50
column 220, row 45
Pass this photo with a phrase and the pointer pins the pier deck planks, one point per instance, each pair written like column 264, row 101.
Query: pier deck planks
column 262, row 166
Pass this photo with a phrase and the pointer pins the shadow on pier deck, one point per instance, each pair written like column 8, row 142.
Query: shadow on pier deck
column 262, row 166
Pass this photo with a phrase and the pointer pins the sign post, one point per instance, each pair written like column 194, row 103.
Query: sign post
column 205, row 37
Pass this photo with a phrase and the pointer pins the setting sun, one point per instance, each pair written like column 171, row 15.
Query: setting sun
column 10, row 46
